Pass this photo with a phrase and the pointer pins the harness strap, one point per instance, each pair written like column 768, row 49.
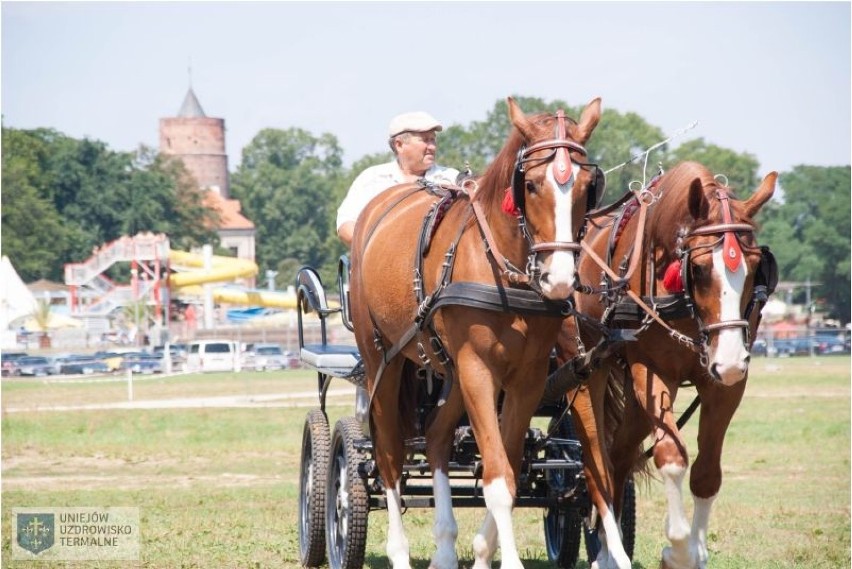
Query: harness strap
column 683, row 339
column 513, row 276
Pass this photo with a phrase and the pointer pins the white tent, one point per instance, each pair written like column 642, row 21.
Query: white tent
column 15, row 298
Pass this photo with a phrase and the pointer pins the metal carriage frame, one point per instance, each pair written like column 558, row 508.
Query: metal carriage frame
column 339, row 482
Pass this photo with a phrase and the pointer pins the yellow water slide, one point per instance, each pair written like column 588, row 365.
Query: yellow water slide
column 191, row 274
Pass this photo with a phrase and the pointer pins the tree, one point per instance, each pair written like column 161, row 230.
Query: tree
column 286, row 182
column 62, row 197
column 739, row 169
column 809, row 232
column 34, row 236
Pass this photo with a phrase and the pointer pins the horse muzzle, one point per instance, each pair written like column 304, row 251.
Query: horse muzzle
column 558, row 277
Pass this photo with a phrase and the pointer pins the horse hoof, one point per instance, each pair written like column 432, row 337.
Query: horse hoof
column 671, row 560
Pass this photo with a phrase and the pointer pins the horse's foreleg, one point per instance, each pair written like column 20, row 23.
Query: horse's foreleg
column 485, row 543
column 671, row 460
column 718, row 405
column 588, row 415
column 439, row 437
column 498, row 484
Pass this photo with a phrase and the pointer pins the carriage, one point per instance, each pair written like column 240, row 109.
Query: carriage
column 459, row 349
column 339, row 483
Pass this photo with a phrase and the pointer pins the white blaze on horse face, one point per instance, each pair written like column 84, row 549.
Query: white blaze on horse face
column 730, row 358
column 558, row 272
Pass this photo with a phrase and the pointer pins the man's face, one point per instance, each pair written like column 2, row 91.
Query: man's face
column 416, row 151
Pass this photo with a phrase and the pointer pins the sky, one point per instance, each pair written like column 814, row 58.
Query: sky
column 768, row 78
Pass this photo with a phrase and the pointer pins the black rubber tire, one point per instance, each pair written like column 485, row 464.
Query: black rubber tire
column 563, row 527
column 313, row 471
column 628, row 526
column 347, row 499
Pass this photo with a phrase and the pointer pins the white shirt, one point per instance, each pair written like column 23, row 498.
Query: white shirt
column 376, row 179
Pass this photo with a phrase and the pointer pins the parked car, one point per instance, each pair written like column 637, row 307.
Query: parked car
column 82, row 364
column 177, row 353
column 9, row 359
column 36, row 366
column 263, row 357
column 140, row 362
column 213, row 355
column 830, row 344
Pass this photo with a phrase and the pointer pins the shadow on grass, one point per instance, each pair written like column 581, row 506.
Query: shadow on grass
column 381, row 562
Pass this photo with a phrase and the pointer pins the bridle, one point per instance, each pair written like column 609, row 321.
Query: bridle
column 562, row 169
column 732, row 253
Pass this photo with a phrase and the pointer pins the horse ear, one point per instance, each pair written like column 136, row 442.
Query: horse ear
column 762, row 195
column 699, row 207
column 588, row 121
column 519, row 119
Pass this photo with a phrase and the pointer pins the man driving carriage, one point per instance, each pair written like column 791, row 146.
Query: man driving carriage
column 413, row 139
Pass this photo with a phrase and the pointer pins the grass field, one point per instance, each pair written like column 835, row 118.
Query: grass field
column 217, row 487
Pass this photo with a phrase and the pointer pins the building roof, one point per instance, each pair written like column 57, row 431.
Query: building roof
column 191, row 108
column 230, row 216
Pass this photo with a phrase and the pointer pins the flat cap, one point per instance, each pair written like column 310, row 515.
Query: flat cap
column 413, row 122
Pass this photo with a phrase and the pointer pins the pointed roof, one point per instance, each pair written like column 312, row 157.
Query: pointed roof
column 191, row 108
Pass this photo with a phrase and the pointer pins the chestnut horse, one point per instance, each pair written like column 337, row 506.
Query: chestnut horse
column 479, row 346
column 693, row 296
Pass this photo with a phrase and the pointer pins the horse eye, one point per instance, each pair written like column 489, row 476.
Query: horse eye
column 698, row 272
column 530, row 186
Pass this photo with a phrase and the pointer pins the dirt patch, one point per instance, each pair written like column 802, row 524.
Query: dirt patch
column 34, row 472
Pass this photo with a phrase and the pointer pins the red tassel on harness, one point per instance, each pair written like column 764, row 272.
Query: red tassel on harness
column 509, row 207
column 673, row 279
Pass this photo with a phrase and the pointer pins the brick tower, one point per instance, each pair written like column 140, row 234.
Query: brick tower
column 199, row 141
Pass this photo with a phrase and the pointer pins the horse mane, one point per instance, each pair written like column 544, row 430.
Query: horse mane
column 672, row 211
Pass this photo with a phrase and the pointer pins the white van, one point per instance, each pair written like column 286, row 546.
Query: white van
column 213, row 355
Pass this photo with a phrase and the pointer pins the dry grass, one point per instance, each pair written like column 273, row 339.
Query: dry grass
column 218, row 487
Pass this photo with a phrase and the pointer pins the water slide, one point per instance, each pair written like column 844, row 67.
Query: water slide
column 191, row 274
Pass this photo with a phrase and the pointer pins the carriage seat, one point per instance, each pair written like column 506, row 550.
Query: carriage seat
column 330, row 356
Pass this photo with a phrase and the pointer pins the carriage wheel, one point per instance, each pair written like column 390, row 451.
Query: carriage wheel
column 347, row 501
column 316, row 441
column 628, row 525
column 562, row 525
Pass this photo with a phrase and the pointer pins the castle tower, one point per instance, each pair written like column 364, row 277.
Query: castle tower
column 199, row 141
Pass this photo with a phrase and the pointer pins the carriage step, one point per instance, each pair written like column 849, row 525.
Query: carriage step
column 330, row 356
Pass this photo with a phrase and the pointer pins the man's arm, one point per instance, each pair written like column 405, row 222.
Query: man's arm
column 346, row 232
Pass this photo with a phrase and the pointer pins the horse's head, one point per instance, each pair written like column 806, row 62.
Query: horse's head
column 552, row 188
column 715, row 260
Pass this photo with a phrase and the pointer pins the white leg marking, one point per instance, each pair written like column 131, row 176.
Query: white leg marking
column 485, row 543
column 612, row 554
column 678, row 555
column 700, row 523
column 730, row 356
column 445, row 529
column 499, row 502
column 397, row 546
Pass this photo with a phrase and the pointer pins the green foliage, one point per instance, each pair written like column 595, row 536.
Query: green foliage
column 810, row 231
column 739, row 169
column 285, row 183
column 62, row 197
